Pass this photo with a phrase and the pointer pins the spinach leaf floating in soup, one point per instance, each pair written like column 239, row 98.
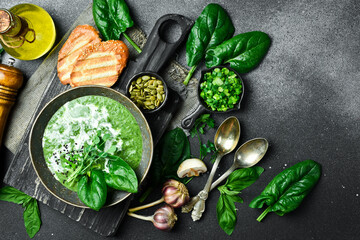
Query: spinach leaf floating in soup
column 77, row 123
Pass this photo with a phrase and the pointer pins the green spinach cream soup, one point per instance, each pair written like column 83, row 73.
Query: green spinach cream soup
column 74, row 126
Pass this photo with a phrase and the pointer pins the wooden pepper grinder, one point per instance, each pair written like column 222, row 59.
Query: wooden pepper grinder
column 11, row 79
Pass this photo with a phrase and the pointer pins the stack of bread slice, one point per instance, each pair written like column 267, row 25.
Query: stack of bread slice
column 85, row 60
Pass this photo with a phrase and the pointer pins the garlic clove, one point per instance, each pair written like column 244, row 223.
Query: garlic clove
column 191, row 167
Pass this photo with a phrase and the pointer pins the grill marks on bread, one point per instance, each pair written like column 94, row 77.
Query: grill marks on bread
column 100, row 64
column 85, row 60
column 80, row 38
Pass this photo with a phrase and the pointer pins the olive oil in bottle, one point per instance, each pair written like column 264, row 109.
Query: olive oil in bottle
column 27, row 31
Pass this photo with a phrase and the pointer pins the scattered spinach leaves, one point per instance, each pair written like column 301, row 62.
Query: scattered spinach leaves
column 236, row 182
column 92, row 191
column 31, row 214
column 201, row 123
column 244, row 51
column 287, row 190
column 112, row 17
column 212, row 27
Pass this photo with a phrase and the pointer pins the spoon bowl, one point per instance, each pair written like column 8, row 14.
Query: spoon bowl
column 227, row 135
column 250, row 153
column 247, row 155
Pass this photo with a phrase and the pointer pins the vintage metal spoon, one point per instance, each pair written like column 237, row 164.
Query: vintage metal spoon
column 226, row 138
column 247, row 155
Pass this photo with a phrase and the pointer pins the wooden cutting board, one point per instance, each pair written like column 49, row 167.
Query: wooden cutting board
column 21, row 174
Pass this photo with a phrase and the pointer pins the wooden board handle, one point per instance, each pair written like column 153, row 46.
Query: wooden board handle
column 11, row 79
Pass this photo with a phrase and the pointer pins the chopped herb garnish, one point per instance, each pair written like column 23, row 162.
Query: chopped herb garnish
column 203, row 122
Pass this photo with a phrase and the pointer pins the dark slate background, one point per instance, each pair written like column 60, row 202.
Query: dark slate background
column 304, row 98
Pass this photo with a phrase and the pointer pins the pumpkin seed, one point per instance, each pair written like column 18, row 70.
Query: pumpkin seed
column 147, row 92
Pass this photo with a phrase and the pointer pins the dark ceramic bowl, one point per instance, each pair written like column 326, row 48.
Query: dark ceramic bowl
column 151, row 74
column 188, row 121
column 37, row 132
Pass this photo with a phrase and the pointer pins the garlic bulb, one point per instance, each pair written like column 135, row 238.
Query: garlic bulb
column 175, row 193
column 164, row 218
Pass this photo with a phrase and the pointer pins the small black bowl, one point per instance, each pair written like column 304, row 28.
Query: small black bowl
column 151, row 74
column 188, row 121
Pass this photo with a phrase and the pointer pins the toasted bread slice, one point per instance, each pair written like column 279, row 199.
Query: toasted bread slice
column 80, row 38
column 100, row 64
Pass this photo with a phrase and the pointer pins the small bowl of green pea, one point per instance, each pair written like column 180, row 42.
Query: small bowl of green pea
column 220, row 89
column 148, row 91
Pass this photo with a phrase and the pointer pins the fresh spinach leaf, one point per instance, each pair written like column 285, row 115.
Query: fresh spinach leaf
column 237, row 181
column 112, row 17
column 243, row 178
column 226, row 213
column 121, row 14
column 31, row 214
column 212, row 27
column 172, row 147
column 121, row 176
column 93, row 191
column 288, row 189
column 13, row 195
column 186, row 153
column 244, row 51
column 1, row 50
column 93, row 157
column 32, row 217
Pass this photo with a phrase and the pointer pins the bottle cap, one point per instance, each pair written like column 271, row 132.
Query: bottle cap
column 5, row 20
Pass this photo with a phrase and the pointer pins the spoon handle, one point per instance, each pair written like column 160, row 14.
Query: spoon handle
column 222, row 177
column 188, row 207
column 199, row 207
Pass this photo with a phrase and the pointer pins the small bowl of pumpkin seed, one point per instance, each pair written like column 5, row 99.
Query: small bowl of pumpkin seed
column 148, row 91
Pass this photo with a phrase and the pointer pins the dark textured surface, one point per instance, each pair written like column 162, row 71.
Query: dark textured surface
column 304, row 98
column 155, row 56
